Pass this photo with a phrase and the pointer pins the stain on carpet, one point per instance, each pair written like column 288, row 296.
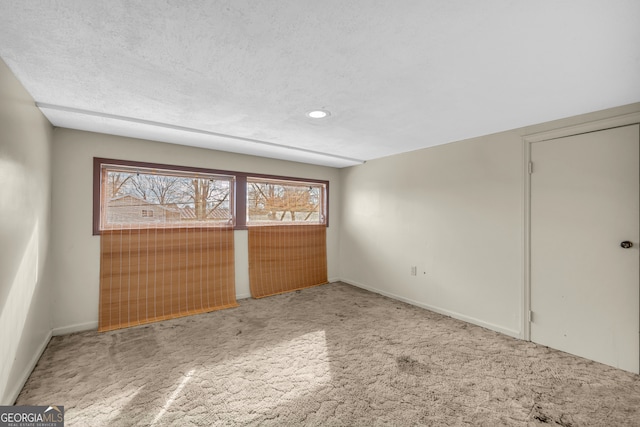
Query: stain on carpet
column 539, row 414
column 408, row 365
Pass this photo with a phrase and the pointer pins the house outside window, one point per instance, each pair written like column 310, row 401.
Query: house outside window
column 140, row 197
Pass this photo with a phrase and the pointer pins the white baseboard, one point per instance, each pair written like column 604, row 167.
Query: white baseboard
column 79, row 327
column 453, row 314
column 13, row 395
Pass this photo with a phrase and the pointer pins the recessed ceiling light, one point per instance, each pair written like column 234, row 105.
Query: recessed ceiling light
column 318, row 114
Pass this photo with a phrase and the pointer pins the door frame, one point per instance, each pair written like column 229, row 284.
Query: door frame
column 527, row 141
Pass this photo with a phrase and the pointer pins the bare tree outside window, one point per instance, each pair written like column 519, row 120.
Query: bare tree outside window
column 115, row 182
column 280, row 201
column 208, row 195
column 167, row 198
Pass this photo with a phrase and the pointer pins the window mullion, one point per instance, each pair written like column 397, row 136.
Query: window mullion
column 241, row 202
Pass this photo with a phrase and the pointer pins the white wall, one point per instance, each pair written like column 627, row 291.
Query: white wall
column 25, row 192
column 455, row 211
column 76, row 252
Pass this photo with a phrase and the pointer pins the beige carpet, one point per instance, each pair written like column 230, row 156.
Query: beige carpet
column 333, row 355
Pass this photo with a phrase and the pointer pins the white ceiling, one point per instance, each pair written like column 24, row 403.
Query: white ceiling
column 400, row 75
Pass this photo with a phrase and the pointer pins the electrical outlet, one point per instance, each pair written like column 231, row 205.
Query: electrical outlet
column 414, row 270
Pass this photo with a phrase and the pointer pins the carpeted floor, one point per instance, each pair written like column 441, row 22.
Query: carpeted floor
column 332, row 355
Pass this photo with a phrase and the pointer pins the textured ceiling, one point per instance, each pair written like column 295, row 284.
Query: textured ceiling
column 396, row 75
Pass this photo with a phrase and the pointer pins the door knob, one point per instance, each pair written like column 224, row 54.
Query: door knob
column 626, row 244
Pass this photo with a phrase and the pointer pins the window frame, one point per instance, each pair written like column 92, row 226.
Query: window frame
column 238, row 205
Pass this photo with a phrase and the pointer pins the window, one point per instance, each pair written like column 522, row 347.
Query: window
column 278, row 201
column 143, row 197
column 137, row 195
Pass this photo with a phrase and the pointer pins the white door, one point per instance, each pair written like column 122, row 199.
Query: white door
column 585, row 287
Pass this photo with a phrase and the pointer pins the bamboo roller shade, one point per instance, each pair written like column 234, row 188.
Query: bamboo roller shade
column 286, row 258
column 148, row 275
